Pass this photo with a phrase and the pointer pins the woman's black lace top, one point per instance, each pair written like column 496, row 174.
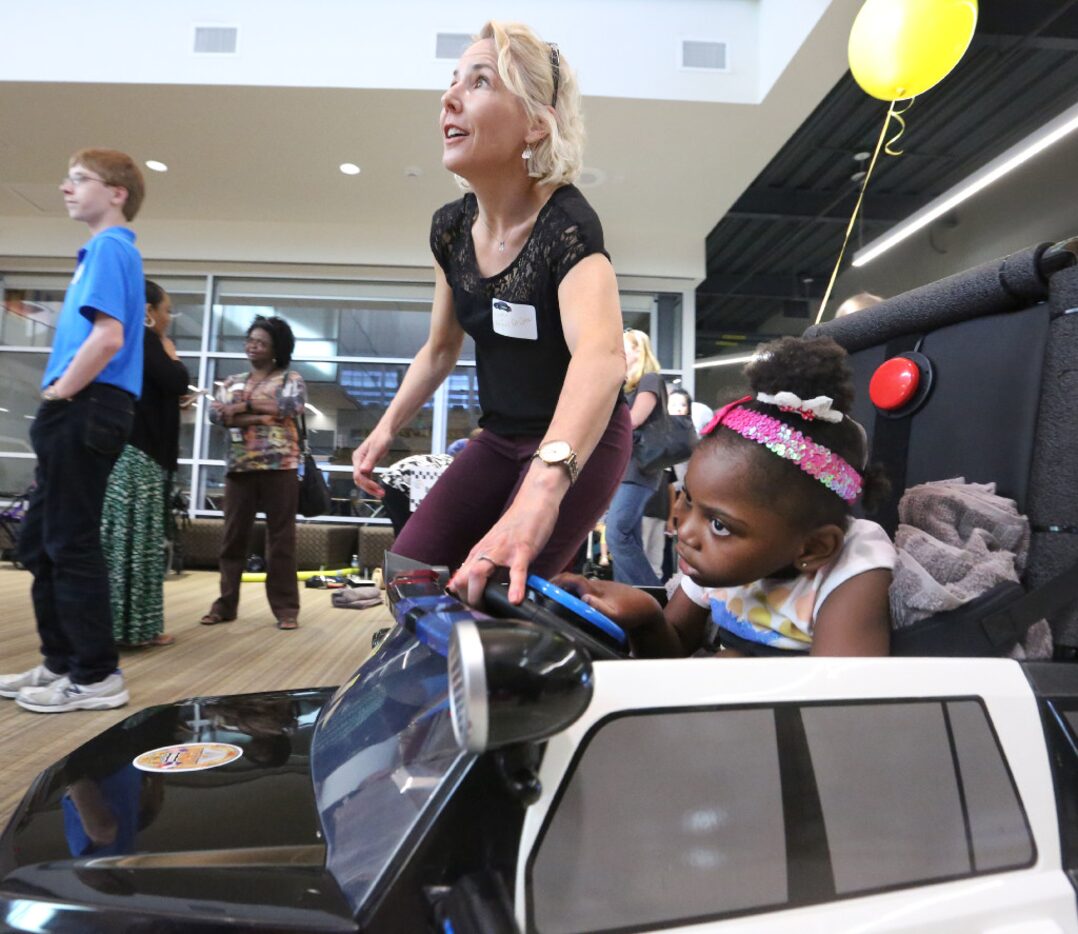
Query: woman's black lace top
column 520, row 376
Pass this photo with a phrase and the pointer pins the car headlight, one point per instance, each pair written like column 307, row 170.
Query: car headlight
column 512, row 681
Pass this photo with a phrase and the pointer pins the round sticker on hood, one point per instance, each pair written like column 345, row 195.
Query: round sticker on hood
column 188, row 757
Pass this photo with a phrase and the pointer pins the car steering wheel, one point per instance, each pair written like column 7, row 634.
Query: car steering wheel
column 549, row 605
column 574, row 610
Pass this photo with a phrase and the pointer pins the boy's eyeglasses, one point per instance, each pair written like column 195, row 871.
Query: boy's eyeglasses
column 76, row 180
column 555, row 67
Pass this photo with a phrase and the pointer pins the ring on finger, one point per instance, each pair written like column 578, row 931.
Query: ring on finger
column 486, row 558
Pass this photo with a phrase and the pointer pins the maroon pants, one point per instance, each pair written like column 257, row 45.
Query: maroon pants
column 483, row 479
column 276, row 493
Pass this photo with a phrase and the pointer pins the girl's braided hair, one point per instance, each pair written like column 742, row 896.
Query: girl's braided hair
column 807, row 367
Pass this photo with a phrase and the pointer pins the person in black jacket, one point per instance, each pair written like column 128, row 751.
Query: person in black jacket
column 133, row 520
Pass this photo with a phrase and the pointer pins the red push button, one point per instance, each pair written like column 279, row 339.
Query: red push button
column 894, row 383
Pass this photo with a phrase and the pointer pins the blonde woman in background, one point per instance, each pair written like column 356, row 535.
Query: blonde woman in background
column 520, row 266
column 646, row 395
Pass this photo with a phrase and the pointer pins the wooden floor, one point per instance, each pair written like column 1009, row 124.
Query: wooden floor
column 235, row 658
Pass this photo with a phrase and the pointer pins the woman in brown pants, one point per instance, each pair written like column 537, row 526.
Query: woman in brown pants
column 259, row 409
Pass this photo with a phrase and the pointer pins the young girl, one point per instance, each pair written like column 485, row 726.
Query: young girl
column 773, row 561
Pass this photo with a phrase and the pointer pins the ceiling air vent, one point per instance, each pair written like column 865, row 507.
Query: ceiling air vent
column 216, row 40
column 708, row 55
column 451, row 45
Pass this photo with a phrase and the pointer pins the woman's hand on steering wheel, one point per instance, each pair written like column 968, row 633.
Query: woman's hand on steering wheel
column 513, row 542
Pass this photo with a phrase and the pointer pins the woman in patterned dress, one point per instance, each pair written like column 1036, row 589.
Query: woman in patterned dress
column 133, row 520
column 260, row 409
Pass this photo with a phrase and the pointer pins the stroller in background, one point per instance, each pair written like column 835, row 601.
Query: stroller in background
column 11, row 517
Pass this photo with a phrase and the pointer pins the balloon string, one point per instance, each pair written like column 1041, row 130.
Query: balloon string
column 892, row 114
column 897, row 116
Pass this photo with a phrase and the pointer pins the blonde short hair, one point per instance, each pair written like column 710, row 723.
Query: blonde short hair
column 526, row 67
column 646, row 361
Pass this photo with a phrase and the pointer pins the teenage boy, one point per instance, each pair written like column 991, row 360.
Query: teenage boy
column 92, row 379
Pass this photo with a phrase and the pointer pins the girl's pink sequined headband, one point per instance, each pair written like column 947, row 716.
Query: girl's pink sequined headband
column 787, row 442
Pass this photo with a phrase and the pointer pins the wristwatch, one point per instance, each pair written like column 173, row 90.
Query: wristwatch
column 558, row 454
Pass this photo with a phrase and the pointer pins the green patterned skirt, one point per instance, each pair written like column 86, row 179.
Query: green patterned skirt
column 133, row 539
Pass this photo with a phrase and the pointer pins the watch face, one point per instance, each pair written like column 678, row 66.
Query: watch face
column 555, row 451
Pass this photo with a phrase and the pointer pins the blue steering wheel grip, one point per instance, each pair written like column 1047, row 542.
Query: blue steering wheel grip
column 575, row 605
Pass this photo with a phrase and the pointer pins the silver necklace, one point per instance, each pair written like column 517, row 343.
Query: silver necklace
column 494, row 236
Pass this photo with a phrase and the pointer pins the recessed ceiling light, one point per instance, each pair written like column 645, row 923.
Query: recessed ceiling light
column 156, row 166
column 350, row 168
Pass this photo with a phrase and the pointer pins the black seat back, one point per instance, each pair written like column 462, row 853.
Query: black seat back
column 1002, row 341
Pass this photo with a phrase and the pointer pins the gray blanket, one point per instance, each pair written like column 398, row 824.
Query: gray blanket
column 357, row 598
column 955, row 541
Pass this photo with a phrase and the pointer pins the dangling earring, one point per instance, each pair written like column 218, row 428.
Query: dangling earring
column 527, row 157
column 148, row 321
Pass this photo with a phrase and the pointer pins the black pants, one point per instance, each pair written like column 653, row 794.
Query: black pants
column 76, row 444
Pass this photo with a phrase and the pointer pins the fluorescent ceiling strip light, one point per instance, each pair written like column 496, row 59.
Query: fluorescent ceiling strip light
column 1026, row 149
column 723, row 361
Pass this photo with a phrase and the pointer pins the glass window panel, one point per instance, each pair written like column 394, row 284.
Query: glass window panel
column 462, row 404
column 20, row 398
column 667, row 816
column 326, row 320
column 190, row 416
column 211, row 487
column 188, row 310
column 997, row 823
column 658, row 315
column 16, row 475
column 637, row 310
column 889, row 794
column 181, row 482
column 29, row 315
column 668, row 339
column 371, row 387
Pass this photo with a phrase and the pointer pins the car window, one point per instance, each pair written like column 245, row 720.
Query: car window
column 681, row 816
column 662, row 819
column 895, row 806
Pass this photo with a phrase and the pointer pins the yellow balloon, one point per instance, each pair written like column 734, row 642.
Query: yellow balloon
column 901, row 48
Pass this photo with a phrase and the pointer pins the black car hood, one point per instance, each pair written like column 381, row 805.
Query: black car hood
column 239, row 845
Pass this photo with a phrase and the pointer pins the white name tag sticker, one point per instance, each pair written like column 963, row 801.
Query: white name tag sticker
column 512, row 320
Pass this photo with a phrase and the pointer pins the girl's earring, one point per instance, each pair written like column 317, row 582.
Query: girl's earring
column 527, row 154
column 148, row 321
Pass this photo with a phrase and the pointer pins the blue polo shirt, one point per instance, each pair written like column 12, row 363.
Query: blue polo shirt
column 108, row 278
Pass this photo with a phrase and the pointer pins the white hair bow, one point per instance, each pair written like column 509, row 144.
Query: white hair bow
column 808, row 409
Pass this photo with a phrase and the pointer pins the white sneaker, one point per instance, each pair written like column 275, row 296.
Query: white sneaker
column 10, row 685
column 64, row 695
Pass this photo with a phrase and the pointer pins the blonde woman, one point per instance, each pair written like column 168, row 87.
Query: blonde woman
column 646, row 395
column 520, row 266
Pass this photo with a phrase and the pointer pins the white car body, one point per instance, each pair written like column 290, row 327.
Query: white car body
column 1035, row 898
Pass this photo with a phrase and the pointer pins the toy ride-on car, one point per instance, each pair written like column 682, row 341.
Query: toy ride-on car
column 514, row 770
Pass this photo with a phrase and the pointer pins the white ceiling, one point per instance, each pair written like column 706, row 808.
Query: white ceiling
column 253, row 169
